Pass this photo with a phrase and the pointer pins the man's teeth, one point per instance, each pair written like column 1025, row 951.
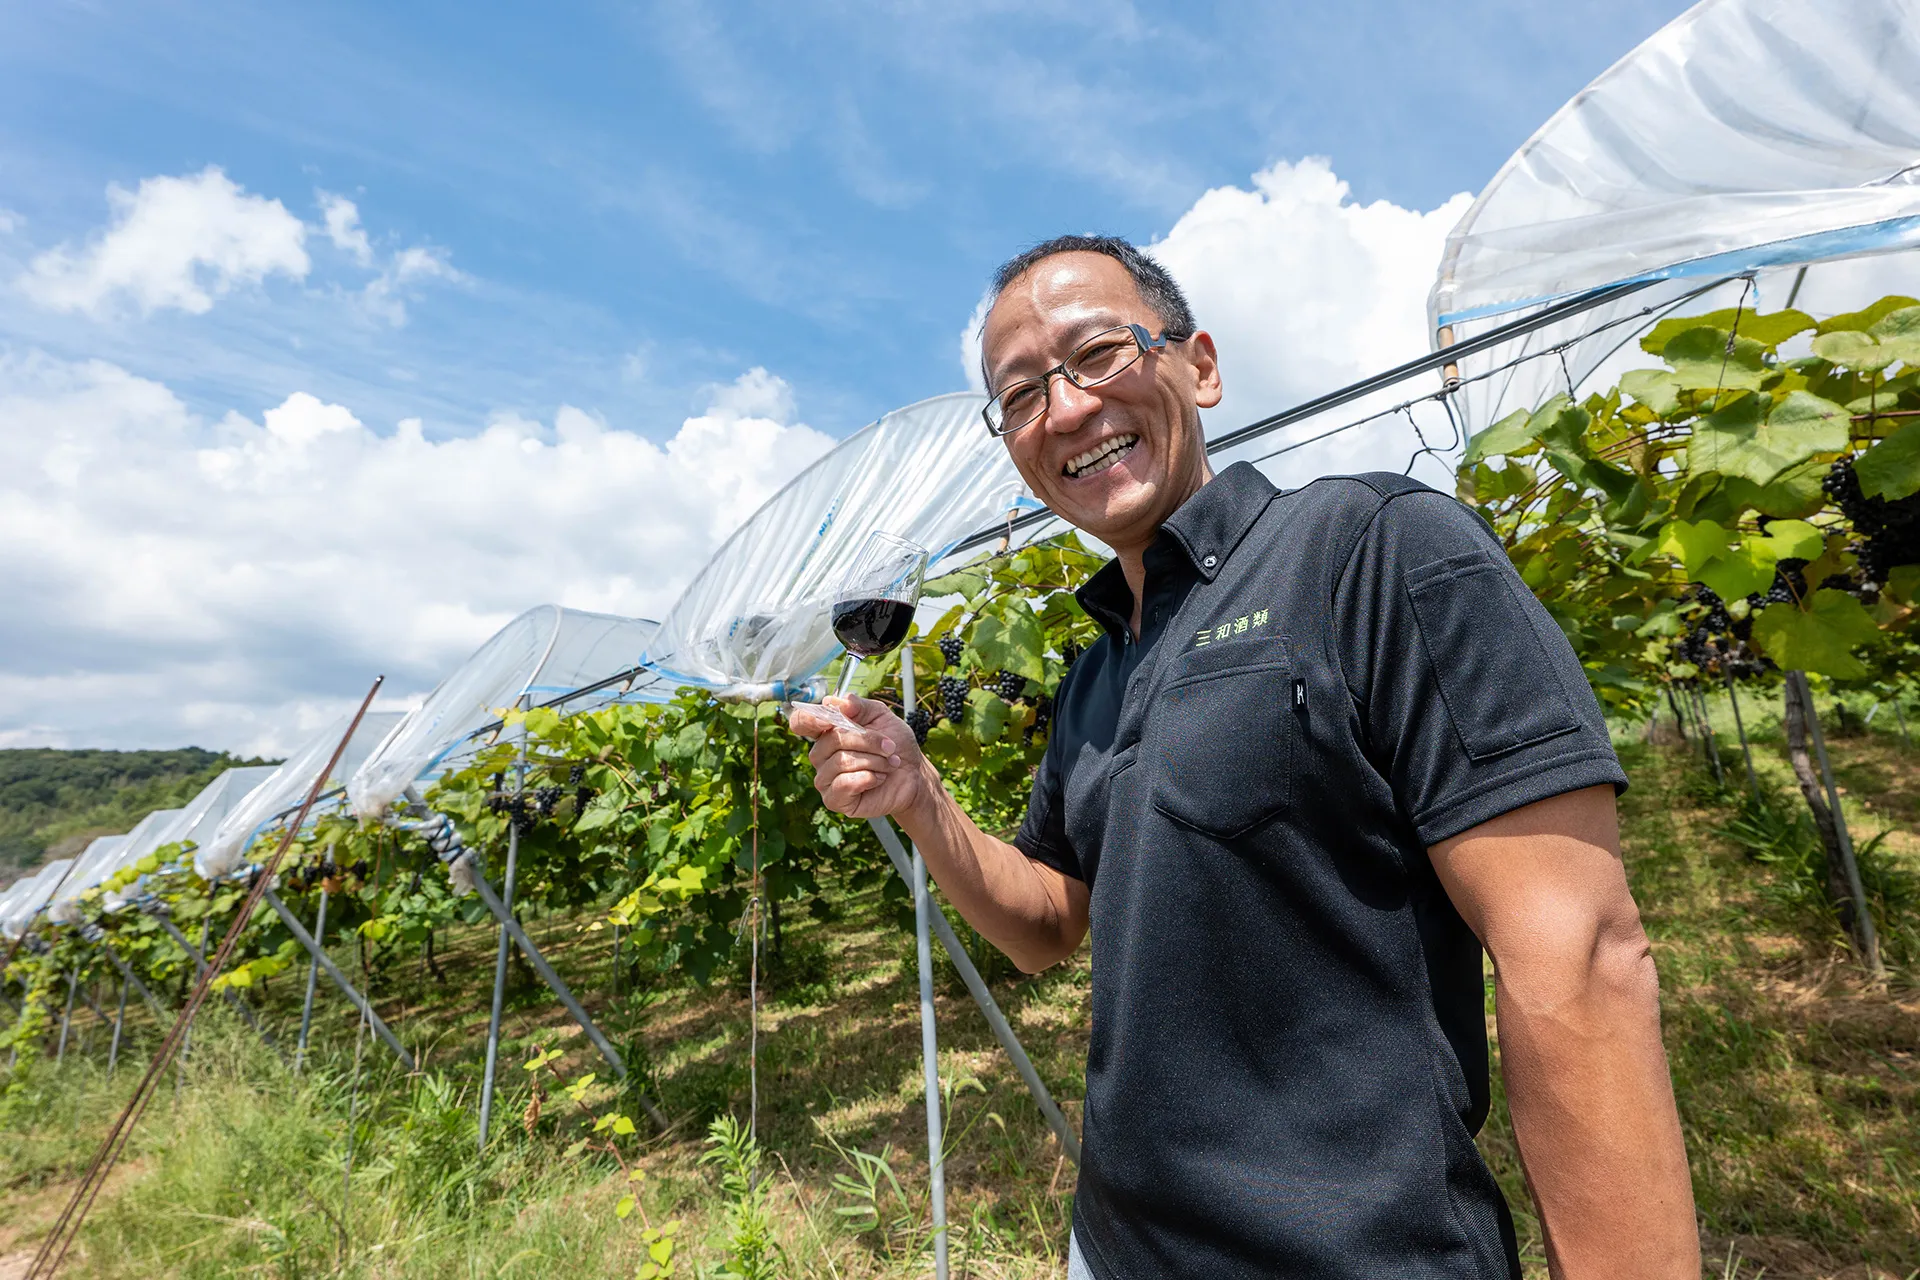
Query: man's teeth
column 1101, row 456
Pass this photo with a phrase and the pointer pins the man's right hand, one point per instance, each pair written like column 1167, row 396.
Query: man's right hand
column 867, row 763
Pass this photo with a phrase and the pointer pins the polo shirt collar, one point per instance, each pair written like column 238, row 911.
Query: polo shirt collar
column 1204, row 531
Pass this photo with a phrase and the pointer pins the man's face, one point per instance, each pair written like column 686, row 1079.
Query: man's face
column 1147, row 417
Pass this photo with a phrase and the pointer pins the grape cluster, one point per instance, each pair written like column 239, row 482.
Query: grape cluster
column 520, row 815
column 1886, row 534
column 920, row 720
column 1009, row 686
column 576, row 775
column 1716, row 643
column 544, row 799
column 950, row 649
column 1042, row 717
column 1789, row 585
column 953, row 697
column 1069, row 651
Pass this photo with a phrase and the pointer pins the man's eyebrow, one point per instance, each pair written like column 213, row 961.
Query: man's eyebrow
column 1098, row 322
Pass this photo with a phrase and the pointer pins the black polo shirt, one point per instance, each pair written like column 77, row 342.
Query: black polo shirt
column 1289, row 1053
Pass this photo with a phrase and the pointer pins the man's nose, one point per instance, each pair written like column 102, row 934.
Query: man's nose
column 1068, row 406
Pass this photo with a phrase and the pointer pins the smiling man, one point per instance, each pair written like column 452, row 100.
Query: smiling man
column 1328, row 749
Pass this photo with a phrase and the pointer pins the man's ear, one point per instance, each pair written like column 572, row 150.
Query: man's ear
column 1207, row 388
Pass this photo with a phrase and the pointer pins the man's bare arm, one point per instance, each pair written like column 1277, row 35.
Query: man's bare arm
column 1034, row 914
column 1578, row 1007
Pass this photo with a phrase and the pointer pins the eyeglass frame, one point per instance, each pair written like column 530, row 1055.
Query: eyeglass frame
column 1146, row 343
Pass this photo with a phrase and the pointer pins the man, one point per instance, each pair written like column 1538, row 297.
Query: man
column 1328, row 748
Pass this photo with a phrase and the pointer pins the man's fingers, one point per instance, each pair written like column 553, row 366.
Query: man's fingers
column 863, row 740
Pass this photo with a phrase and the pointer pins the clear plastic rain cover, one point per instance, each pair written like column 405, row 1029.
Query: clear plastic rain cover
column 89, row 869
column 1763, row 138
column 33, row 897
column 225, row 850
column 195, row 824
column 543, row 654
column 760, row 610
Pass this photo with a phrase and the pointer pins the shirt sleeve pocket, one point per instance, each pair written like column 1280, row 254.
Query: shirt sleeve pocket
column 1495, row 677
column 1219, row 743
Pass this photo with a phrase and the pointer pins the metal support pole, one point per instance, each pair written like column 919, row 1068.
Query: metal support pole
column 1746, row 751
column 502, row 953
column 1855, row 886
column 66, row 1015
column 119, row 1024
column 896, row 852
column 555, row 983
column 313, row 981
column 200, row 964
column 923, row 910
column 305, row 939
column 186, row 1037
column 128, row 975
column 1706, row 732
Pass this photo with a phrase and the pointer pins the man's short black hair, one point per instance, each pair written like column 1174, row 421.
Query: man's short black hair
column 1157, row 288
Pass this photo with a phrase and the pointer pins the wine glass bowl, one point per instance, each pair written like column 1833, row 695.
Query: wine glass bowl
column 874, row 602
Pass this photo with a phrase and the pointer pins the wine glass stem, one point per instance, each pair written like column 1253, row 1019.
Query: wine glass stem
column 846, row 674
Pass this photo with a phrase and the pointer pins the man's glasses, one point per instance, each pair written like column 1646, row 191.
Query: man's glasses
column 1103, row 356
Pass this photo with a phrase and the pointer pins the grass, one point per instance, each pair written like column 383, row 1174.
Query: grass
column 1799, row 1086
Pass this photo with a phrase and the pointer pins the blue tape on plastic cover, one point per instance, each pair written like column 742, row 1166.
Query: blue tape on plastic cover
column 1873, row 237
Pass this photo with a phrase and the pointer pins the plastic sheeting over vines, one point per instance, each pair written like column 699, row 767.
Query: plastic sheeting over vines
column 544, row 655
column 759, row 611
column 225, row 851
column 1768, row 139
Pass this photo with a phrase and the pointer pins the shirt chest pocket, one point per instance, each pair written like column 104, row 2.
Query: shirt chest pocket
column 1218, row 742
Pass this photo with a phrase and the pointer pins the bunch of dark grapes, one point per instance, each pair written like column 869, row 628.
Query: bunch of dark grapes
column 1069, row 651
column 920, row 720
column 1789, row 586
column 577, row 774
column 1009, row 686
column 950, row 649
column 953, row 697
column 1886, row 534
column 1042, row 717
column 545, row 798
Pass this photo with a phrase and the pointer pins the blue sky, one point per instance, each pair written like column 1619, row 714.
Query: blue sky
column 649, row 197
column 627, row 267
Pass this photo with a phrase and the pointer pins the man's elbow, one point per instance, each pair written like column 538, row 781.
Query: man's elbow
column 1043, row 949
column 1583, row 972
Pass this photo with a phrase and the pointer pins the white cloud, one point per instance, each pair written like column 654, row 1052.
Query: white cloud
column 234, row 581
column 1304, row 292
column 386, row 295
column 174, row 242
column 10, row 221
column 342, row 219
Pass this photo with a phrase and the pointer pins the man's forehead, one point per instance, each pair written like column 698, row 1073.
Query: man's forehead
column 1060, row 294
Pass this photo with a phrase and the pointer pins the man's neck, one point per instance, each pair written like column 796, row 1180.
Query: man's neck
column 1133, row 558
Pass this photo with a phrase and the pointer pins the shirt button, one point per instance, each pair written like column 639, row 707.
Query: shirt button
column 1209, row 561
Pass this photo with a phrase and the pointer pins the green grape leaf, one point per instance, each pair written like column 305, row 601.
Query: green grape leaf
column 1891, row 469
column 1903, row 583
column 1769, row 330
column 1694, row 544
column 624, row 1207
column 1794, row 539
column 1855, row 350
column 968, row 582
column 986, row 715
column 1868, row 318
column 1739, row 441
column 1012, row 642
column 1741, row 571
column 1702, row 361
column 1504, row 437
column 1658, row 389
column 1793, row 493
column 1820, row 638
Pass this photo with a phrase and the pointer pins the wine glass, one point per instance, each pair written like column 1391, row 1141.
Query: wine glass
column 874, row 602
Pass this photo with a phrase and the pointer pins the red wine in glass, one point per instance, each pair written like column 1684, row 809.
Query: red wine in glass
column 872, row 627
column 873, row 606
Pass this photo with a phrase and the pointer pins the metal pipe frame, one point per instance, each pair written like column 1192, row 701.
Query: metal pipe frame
column 890, row 841
column 200, row 966
column 313, row 980
column 1869, row 937
column 339, row 979
column 929, row 1029
column 502, row 952
column 554, row 981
